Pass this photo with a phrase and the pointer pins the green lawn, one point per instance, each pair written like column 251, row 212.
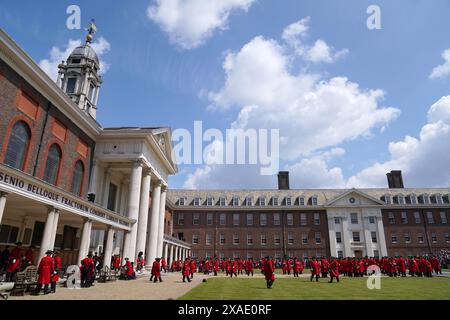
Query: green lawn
column 302, row 289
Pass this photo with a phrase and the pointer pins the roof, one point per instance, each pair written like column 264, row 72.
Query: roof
column 85, row 51
column 324, row 196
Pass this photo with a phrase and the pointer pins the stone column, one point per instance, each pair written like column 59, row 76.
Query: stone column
column 332, row 236
column 176, row 253
column 154, row 224
column 134, row 195
column 47, row 236
column 162, row 213
column 381, row 237
column 106, row 188
column 367, row 236
column 85, row 240
column 93, row 183
column 143, row 213
column 108, row 247
column 345, row 237
column 171, row 253
column 3, row 196
column 166, row 251
column 54, row 230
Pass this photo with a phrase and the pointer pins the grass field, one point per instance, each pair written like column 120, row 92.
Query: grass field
column 302, row 289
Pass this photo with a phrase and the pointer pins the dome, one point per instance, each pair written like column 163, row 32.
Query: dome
column 84, row 51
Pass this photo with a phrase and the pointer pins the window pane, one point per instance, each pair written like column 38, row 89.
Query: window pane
column 52, row 166
column 18, row 145
column 71, row 82
column 112, row 196
column 77, row 179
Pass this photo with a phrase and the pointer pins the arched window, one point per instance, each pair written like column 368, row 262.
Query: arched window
column 18, row 145
column 77, row 180
column 52, row 165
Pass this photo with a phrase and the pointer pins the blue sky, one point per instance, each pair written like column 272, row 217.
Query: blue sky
column 165, row 82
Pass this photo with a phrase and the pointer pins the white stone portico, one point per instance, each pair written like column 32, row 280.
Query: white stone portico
column 354, row 214
column 130, row 176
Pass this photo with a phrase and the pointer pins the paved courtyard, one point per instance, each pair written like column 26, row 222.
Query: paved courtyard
column 172, row 287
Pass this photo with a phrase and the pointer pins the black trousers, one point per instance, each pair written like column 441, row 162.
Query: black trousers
column 331, row 280
column 186, row 278
column 269, row 283
column 295, row 274
column 53, row 287
column 39, row 288
column 155, row 279
column 317, row 277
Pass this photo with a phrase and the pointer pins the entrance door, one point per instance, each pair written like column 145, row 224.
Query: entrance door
column 358, row 254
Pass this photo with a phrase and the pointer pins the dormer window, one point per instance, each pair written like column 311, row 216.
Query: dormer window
column 275, row 201
column 262, row 201
column 222, row 202
column 387, row 199
column 446, row 199
column 301, row 201
column 314, row 200
column 71, row 85
column 438, row 199
column 76, row 61
column 413, row 199
column 288, row 201
column 235, row 201
column 399, row 199
column 182, row 201
column 248, row 201
column 196, row 201
column 424, row 199
column 209, row 201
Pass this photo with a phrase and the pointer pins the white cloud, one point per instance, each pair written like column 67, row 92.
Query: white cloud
column 323, row 112
column 442, row 70
column 57, row 55
column 189, row 23
column 294, row 35
column 314, row 172
column 314, row 114
column 322, row 52
column 424, row 160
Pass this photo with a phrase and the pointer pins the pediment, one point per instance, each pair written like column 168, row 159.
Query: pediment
column 355, row 198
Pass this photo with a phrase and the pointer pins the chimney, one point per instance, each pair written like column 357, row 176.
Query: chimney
column 283, row 180
column 395, row 180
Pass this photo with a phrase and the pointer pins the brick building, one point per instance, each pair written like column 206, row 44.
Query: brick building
column 66, row 182
column 305, row 223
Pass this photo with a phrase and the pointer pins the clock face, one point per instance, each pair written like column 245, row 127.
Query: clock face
column 352, row 200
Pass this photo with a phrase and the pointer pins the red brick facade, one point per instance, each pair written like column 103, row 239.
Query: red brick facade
column 290, row 236
column 19, row 101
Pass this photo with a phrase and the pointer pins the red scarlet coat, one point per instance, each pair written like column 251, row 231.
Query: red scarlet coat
column 129, row 268
column 240, row 265
column 140, row 262
column 163, row 263
column 249, row 266
column 89, row 264
column 334, row 269
column 55, row 275
column 13, row 265
column 315, row 267
column 29, row 256
column 192, row 266
column 269, row 269
column 186, row 269
column 116, row 263
column 156, row 269
column 45, row 270
column 16, row 253
column 216, row 266
column 401, row 265
column 288, row 265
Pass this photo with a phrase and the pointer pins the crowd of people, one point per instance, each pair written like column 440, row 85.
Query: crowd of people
column 50, row 265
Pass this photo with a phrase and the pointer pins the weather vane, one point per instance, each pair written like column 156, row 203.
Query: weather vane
column 91, row 31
